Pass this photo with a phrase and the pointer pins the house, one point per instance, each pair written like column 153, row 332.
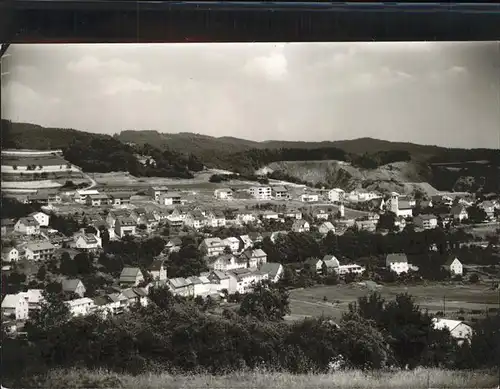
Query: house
column 350, row 269
column 174, row 244
column 459, row 212
column 119, row 198
column 87, row 242
column 16, row 306
column 314, row 264
column 255, row 258
column 10, row 254
column 42, row 218
column 280, row 193
column 81, row 307
column 261, row 192
column 39, row 251
column 366, row 225
column 223, row 194
column 246, row 279
column 105, row 305
column 255, row 236
column 149, row 220
column 300, row 226
column 158, row 270
column 27, row 226
column 136, row 296
column 97, row 200
column 216, row 219
column 34, row 297
column 137, row 213
column 442, row 200
column 330, row 263
column 233, row 244
column 131, row 276
column 200, row 286
column 397, row 263
column 321, row 214
column 81, row 195
column 176, row 218
column 246, row 241
column 336, row 195
column 309, row 198
column 44, row 198
column 195, row 219
column 156, row 192
column 326, row 227
column 293, row 214
column 7, row 226
column 229, row 262
column 212, row 246
column 124, row 226
column 245, row 217
column 425, row 221
column 172, row 198
column 222, row 281
column 181, row 287
column 453, row 266
column 73, row 286
column 269, row 215
column 458, row 329
column 274, row 271
column 112, row 216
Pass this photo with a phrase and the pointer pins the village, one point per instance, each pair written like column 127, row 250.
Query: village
column 235, row 263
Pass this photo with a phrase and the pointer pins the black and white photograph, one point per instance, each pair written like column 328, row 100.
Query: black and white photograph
column 264, row 215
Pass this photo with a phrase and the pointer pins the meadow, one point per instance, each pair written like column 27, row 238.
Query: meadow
column 453, row 299
column 414, row 379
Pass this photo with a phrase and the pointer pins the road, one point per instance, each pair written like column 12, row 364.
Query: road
column 93, row 183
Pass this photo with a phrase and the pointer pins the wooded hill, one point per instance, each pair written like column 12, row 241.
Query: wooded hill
column 178, row 154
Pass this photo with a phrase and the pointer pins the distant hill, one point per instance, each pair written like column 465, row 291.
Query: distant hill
column 177, row 154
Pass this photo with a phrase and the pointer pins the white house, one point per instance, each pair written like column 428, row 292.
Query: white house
column 223, row 194
column 261, row 192
column 326, row 227
column 156, row 191
column 181, row 286
column 158, row 270
column 331, row 263
column 10, row 254
column 87, row 242
column 216, row 219
column 212, row 246
column 195, row 220
column 229, row 262
column 39, row 251
column 401, row 208
column 309, row 198
column 73, row 286
column 293, row 214
column 254, row 258
column 274, row 271
column 270, row 215
column 454, row 266
column 233, row 244
column 458, row 329
column 280, row 193
column 247, row 241
column 80, row 307
column 81, row 195
column 201, row 286
column 321, row 214
column 15, row 305
column 34, row 297
column 27, row 225
column 350, row 268
column 247, row 279
column 42, row 218
column 314, row 264
column 222, row 280
column 300, row 226
column 397, row 263
column 245, row 217
column 459, row 212
column 171, row 198
column 427, row 222
column 336, row 195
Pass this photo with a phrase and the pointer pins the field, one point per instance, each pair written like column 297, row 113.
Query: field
column 419, row 378
column 436, row 297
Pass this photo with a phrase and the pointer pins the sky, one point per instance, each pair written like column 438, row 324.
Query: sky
column 424, row 92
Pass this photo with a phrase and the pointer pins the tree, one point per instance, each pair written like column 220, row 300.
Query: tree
column 387, row 221
column 41, row 273
column 68, row 266
column 52, row 313
column 227, row 250
column 474, row 278
column 266, row 303
column 476, row 214
column 83, row 263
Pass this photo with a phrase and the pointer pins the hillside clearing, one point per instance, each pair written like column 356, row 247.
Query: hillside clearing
column 415, row 379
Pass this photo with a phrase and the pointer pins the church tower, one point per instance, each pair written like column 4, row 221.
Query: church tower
column 394, row 203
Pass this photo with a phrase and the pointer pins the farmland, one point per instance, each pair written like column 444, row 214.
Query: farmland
column 435, row 297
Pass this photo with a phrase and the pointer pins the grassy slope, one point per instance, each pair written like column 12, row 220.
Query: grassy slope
column 420, row 378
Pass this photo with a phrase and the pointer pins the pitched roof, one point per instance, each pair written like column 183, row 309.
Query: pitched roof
column 213, row 242
column 11, row 300
column 175, row 242
column 179, row 282
column 156, row 265
column 270, row 268
column 279, row 189
column 220, row 275
column 129, row 274
column 450, row 260
column 330, row 261
column 440, row 324
column 28, row 221
column 7, row 249
column 394, row 258
column 457, row 209
column 327, row 225
column 70, row 285
column 125, row 221
column 40, row 246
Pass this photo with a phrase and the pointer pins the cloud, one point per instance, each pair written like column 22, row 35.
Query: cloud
column 91, row 64
column 273, row 66
column 456, row 71
column 116, row 85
